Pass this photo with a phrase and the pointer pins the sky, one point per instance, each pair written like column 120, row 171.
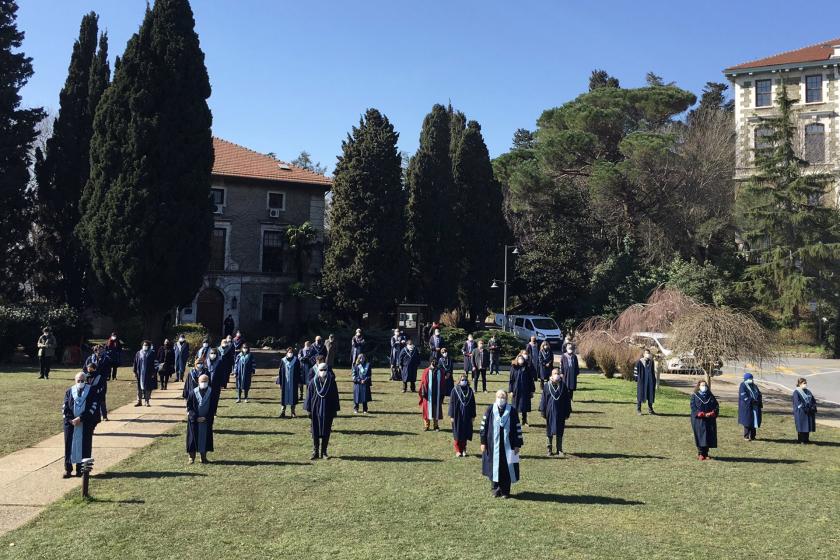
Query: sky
column 297, row 75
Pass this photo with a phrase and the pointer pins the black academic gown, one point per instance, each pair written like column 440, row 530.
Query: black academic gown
column 200, row 434
column 462, row 412
column 705, row 429
column 191, row 381
column 570, row 368
column 546, row 363
column 409, row 362
column 90, row 418
column 448, row 366
column 322, row 404
column 555, row 407
column 645, row 382
column 226, row 359
column 804, row 411
column 521, row 385
column 489, row 435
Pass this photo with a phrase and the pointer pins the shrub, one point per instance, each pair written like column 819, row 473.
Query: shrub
column 195, row 334
column 606, row 361
column 450, row 319
column 453, row 338
column 589, row 359
column 509, row 345
column 804, row 335
column 21, row 324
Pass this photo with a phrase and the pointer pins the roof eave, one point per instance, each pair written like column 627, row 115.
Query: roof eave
column 732, row 72
column 323, row 186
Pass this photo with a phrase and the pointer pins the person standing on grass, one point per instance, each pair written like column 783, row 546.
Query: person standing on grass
column 466, row 353
column 225, row 367
column 435, row 343
column 409, row 362
column 331, row 349
column 480, row 359
column 645, row 374
column 114, row 347
column 501, row 440
column 165, row 363
column 46, row 351
column 545, row 362
column 361, row 384
column 318, row 348
column 749, row 406
column 182, row 356
column 570, row 368
column 397, row 345
column 307, row 361
column 323, row 405
column 217, row 375
column 432, row 385
column 191, row 379
column 81, row 414
column 493, row 348
column 201, row 354
column 555, row 407
column 704, row 413
column 521, row 386
column 461, row 415
column 200, row 416
column 289, row 378
column 804, row 411
column 244, row 369
column 357, row 345
column 144, row 373
column 533, row 348
column 447, row 364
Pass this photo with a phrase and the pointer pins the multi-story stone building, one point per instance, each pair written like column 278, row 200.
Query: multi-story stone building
column 257, row 197
column 812, row 77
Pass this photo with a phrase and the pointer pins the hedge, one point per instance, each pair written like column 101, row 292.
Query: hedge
column 22, row 324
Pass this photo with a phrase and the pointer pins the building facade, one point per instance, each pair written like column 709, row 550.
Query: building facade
column 812, row 77
column 252, row 269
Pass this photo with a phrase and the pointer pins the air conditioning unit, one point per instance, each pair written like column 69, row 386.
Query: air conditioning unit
column 273, row 212
column 219, row 209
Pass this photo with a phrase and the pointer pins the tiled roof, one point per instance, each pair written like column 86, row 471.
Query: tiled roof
column 811, row 53
column 233, row 160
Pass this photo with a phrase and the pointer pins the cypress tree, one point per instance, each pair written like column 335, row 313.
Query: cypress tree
column 17, row 131
column 429, row 214
column 363, row 271
column 146, row 215
column 64, row 169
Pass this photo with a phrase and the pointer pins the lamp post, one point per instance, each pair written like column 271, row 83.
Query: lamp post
column 495, row 283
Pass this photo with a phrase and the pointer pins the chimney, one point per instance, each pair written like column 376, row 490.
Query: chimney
column 836, row 53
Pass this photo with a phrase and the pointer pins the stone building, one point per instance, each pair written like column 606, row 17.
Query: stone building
column 256, row 197
column 812, row 77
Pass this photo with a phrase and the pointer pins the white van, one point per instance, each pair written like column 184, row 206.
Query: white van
column 540, row 326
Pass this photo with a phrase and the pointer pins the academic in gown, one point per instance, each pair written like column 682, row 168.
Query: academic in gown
column 645, row 384
column 466, row 352
column 570, row 369
column 804, row 413
column 200, row 434
column 409, row 362
column 144, row 373
column 545, row 364
column 78, row 440
column 182, row 356
column 191, row 380
column 704, row 413
column 521, row 387
column 361, row 386
column 243, row 369
column 555, row 407
column 749, row 408
column 397, row 345
column 289, row 378
column 462, row 413
column 225, row 368
column 432, row 386
column 447, row 364
column 500, row 434
column 323, row 405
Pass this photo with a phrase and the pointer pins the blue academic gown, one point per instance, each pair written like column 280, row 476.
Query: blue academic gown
column 570, row 368
column 218, row 379
column 555, row 407
column 749, row 405
column 705, row 429
column 182, row 356
column 509, row 436
column 200, row 434
column 322, row 404
column 289, row 378
column 244, row 369
column 435, row 344
column 545, row 363
column 357, row 346
column 804, row 411
column 466, row 352
column 78, row 440
column 191, row 381
column 361, row 391
column 534, row 355
column 448, row 366
column 645, row 382
column 397, row 344
column 462, row 412
column 226, row 359
column 409, row 362
column 144, row 369
column 521, row 385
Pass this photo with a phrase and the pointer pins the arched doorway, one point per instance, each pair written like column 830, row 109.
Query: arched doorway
column 210, row 313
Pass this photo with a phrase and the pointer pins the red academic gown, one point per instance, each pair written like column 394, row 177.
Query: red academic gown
column 431, row 391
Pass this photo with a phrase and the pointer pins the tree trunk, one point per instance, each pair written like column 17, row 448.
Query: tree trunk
column 153, row 326
column 707, row 373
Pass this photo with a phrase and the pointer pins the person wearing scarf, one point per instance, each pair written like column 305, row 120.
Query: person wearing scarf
column 432, row 386
column 182, row 356
column 144, row 373
column 555, row 407
column 361, row 384
column 397, row 345
column 81, row 415
column 323, row 405
column 501, row 439
column 804, row 411
column 409, row 362
column 218, row 377
column 521, row 385
column 244, row 369
column 704, row 413
column 226, row 359
column 645, row 374
column 201, row 354
column 447, row 364
column 461, row 415
column 570, row 368
column 749, row 406
column 191, row 379
column 289, row 378
column 200, row 417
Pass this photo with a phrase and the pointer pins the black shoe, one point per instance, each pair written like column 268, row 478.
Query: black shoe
column 67, row 474
column 314, row 456
column 651, row 412
column 41, row 377
column 549, row 452
column 638, row 412
column 325, row 456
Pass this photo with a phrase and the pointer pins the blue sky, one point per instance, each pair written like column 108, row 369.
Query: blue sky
column 288, row 76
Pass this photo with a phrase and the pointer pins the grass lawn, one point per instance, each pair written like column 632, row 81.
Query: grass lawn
column 35, row 404
column 633, row 489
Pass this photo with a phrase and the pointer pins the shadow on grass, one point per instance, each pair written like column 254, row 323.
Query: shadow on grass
column 582, row 427
column 374, row 433
column 588, row 412
column 400, row 412
column 258, row 417
column 145, row 474
column 256, row 463
column 148, row 421
column 795, row 442
column 253, row 432
column 575, row 499
column 759, row 460
column 380, row 459
column 605, row 402
column 615, row 456
column 95, row 500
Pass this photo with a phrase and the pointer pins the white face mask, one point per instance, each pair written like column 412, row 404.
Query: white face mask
column 182, row 339
column 245, row 350
column 437, row 333
column 145, row 347
column 748, row 381
column 463, row 383
column 113, row 338
column 443, row 354
column 322, row 373
column 202, row 385
column 289, row 355
column 410, row 347
column 803, row 386
column 205, row 345
column 80, row 385
column 520, row 361
column 213, row 355
column 703, row 388
column 501, row 402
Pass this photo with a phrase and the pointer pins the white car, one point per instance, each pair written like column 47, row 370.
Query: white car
column 675, row 364
column 540, row 326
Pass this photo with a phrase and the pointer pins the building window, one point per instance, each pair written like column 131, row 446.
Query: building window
column 763, row 93
column 218, row 196
column 815, row 143
column 272, row 308
column 272, row 251
column 813, row 89
column 218, row 244
column 276, row 201
column 763, row 140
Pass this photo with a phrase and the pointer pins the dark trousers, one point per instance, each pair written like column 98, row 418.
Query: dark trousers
column 143, row 395
column 45, row 362
column 113, row 371
column 494, row 366
column 803, row 437
column 103, row 404
column 704, row 451
column 163, row 380
column 405, row 386
column 502, row 488
column 324, row 442
column 179, row 375
column 482, row 373
column 558, row 437
column 639, row 405
column 87, row 445
column 283, row 410
column 364, row 406
column 749, row 432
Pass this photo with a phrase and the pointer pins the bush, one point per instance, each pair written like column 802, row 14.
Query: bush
column 195, row 334
column 274, row 342
column 606, row 361
column 22, row 324
column 589, row 359
column 453, row 338
column 509, row 345
column 804, row 335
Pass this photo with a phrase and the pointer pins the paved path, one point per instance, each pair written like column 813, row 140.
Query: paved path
column 823, row 376
column 30, row 479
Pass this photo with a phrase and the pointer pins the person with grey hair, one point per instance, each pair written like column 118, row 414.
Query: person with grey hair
column 555, row 407
column 501, row 440
column 81, row 415
column 200, row 416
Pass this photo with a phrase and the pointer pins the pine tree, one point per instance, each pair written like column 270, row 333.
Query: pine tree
column 146, row 215
column 793, row 236
column 363, row 269
column 429, row 216
column 18, row 131
column 64, row 169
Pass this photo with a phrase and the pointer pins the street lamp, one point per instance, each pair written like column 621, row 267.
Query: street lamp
column 504, row 282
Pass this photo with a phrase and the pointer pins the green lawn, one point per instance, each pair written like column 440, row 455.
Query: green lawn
column 35, row 404
column 633, row 489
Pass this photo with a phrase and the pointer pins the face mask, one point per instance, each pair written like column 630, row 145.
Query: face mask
column 113, row 338
column 443, row 354
column 322, row 373
column 202, row 385
column 748, row 381
column 555, row 381
column 463, row 383
column 145, row 347
column 703, row 388
column 199, row 366
column 289, row 355
column 224, row 345
column 568, row 350
column 182, row 339
column 803, row 386
column 244, row 350
column 213, row 356
column 501, row 402
column 410, row 347
column 437, row 333
column 80, row 385
column 205, row 345
column 520, row 361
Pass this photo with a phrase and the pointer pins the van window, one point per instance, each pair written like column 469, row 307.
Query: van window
column 519, row 322
column 545, row 324
column 528, row 325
